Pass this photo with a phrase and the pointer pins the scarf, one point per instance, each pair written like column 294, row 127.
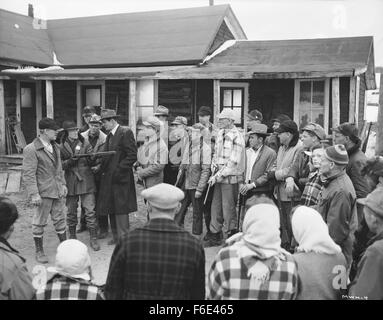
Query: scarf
column 311, row 232
column 259, row 245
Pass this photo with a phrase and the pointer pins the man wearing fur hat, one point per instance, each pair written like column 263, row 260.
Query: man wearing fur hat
column 337, row 201
column 159, row 260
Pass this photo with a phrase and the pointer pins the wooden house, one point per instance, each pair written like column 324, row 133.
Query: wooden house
column 182, row 59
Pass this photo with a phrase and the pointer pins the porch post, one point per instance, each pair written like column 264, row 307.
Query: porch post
column 357, row 90
column 379, row 134
column 216, row 100
column 155, row 95
column 2, row 119
column 352, row 102
column 335, row 102
column 49, row 98
column 132, row 106
column 39, row 108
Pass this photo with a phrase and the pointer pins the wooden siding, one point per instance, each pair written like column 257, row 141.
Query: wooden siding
column 223, row 35
column 117, row 98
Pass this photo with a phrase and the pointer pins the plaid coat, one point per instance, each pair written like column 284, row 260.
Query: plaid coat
column 158, row 261
column 65, row 288
column 228, row 279
column 312, row 190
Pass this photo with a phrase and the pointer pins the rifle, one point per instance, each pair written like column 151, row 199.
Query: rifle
column 94, row 154
column 209, row 185
column 364, row 146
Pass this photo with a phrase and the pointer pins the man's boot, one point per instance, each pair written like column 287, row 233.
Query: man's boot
column 102, row 234
column 72, row 232
column 40, row 255
column 93, row 239
column 62, row 236
column 114, row 240
column 214, row 240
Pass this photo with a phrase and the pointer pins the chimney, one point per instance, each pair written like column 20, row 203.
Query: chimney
column 30, row 11
column 211, row 2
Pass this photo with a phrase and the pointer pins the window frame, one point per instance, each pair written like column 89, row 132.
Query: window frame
column 297, row 86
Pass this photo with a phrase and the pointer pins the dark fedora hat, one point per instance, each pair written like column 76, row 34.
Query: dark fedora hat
column 108, row 114
column 69, row 125
column 48, row 123
column 288, row 126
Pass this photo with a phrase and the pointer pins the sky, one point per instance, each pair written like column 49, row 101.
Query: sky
column 260, row 19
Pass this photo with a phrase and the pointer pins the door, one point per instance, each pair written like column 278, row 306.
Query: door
column 91, row 96
column 28, row 110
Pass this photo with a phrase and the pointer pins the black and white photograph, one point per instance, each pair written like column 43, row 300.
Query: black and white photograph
column 191, row 150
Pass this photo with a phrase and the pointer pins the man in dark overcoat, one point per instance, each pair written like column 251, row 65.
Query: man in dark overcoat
column 117, row 194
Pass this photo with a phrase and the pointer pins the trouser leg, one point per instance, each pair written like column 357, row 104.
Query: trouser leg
column 286, row 228
column 122, row 224
column 217, row 220
column 72, row 205
column 207, row 207
column 179, row 218
column 58, row 215
column 40, row 217
column 229, row 206
column 88, row 204
column 197, row 213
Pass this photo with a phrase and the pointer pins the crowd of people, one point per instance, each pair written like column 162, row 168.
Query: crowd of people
column 298, row 218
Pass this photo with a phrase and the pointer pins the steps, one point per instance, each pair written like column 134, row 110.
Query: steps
column 13, row 159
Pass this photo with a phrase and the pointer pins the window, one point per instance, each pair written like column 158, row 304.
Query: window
column 235, row 97
column 311, row 102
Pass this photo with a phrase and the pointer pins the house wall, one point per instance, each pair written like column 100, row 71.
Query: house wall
column 223, row 35
column 64, row 101
column 272, row 97
column 117, row 98
column 178, row 96
column 362, row 95
column 204, row 95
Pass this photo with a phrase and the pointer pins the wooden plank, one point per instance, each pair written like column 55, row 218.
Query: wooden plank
column 352, row 102
column 379, row 134
column 335, row 103
column 132, row 106
column 39, row 108
column 216, row 100
column 2, row 119
column 14, row 180
column 3, row 181
column 49, row 98
column 296, row 101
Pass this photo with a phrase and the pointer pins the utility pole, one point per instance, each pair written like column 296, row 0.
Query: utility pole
column 211, row 2
column 379, row 133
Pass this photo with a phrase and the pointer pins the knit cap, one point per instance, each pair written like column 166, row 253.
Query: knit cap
column 337, row 154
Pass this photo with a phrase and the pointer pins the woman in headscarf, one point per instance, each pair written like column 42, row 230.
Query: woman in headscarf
column 253, row 265
column 318, row 257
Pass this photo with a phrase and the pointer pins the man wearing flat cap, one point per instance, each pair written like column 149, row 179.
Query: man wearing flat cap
column 337, row 201
column 152, row 155
column 369, row 277
column 44, row 181
column 347, row 134
column 159, row 260
column 80, row 182
column 259, row 160
column 117, row 188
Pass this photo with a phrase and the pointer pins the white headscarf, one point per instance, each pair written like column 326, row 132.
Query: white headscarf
column 259, row 245
column 311, row 232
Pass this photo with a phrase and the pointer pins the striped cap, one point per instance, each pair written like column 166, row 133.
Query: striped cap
column 337, row 154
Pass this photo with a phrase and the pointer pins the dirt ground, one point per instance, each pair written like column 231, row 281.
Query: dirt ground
column 22, row 239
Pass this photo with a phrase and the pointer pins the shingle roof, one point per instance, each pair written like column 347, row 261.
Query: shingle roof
column 290, row 59
column 24, row 39
column 180, row 36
